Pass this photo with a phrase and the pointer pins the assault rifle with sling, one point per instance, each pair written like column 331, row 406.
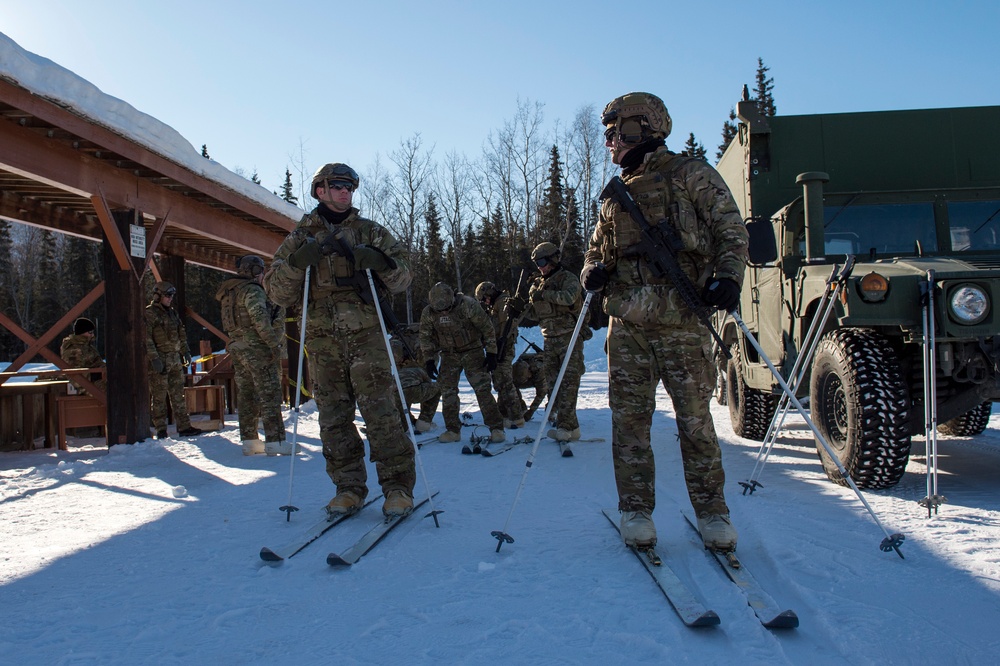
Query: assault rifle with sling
column 658, row 247
column 512, row 313
column 360, row 283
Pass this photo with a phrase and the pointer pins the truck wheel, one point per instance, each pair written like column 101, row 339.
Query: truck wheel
column 859, row 404
column 969, row 424
column 750, row 409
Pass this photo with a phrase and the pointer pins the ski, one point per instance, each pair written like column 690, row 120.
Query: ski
column 692, row 612
column 506, row 446
column 565, row 450
column 764, row 607
column 307, row 536
column 370, row 538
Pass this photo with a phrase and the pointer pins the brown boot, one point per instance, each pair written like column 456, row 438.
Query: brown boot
column 345, row 502
column 449, row 436
column 397, row 503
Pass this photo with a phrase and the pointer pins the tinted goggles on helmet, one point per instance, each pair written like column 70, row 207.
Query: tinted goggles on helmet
column 339, row 185
column 543, row 261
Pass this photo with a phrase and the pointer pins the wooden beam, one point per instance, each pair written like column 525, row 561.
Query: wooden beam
column 36, row 345
column 204, row 322
column 111, row 233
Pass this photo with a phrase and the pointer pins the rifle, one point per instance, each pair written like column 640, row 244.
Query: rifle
column 508, row 309
column 659, row 246
column 360, row 283
column 533, row 346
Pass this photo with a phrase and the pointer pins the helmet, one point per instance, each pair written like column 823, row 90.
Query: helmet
column 637, row 117
column 521, row 372
column 487, row 289
column 334, row 172
column 249, row 265
column 441, row 296
column 164, row 289
column 544, row 251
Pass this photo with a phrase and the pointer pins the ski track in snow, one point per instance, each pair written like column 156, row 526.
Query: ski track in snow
column 101, row 564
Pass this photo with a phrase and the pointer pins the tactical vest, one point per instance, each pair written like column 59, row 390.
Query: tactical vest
column 455, row 331
column 235, row 317
column 549, row 310
column 334, row 272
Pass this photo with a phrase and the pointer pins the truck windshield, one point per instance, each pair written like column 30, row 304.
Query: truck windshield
column 975, row 225
column 885, row 228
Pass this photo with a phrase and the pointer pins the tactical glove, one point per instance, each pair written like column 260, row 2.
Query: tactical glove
column 516, row 305
column 308, row 254
column 186, row 359
column 536, row 293
column 158, row 366
column 722, row 293
column 491, row 362
column 431, row 368
column 368, row 257
column 594, row 277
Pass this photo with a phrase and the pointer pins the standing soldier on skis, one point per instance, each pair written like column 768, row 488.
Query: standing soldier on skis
column 653, row 336
column 556, row 300
column 504, row 311
column 349, row 363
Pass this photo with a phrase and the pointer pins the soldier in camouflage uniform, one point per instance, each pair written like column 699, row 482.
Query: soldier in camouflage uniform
column 556, row 301
column 528, row 371
column 79, row 351
column 495, row 303
column 168, row 354
column 348, row 361
column 417, row 387
column 255, row 349
column 455, row 325
column 653, row 336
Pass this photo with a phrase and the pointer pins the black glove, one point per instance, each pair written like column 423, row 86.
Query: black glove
column 431, row 368
column 308, row 254
column 158, row 366
column 722, row 293
column 536, row 292
column 516, row 305
column 594, row 277
column 366, row 256
column 491, row 362
column 186, row 359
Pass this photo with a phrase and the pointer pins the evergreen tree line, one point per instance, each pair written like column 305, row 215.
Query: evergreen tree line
column 462, row 221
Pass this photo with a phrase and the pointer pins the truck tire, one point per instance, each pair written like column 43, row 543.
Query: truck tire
column 859, row 403
column 969, row 424
column 750, row 409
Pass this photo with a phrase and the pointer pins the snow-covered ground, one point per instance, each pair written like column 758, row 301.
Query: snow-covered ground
column 149, row 554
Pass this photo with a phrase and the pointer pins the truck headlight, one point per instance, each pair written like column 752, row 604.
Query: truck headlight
column 969, row 304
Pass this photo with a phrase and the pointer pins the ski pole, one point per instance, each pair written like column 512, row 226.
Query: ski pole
column 501, row 535
column 289, row 508
column 933, row 500
column 891, row 541
column 402, row 398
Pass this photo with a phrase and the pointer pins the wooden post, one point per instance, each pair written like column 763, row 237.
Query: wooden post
column 125, row 344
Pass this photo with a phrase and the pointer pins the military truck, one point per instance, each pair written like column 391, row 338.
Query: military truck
column 914, row 198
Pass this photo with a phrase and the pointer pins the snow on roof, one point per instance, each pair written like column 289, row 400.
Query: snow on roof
column 53, row 82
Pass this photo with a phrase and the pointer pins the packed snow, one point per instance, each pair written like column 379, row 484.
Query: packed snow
column 149, row 553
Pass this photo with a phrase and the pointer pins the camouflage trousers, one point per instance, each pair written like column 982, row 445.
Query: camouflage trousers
column 509, row 400
column 452, row 364
column 258, row 386
column 169, row 385
column 680, row 358
column 348, row 368
column 556, row 348
column 420, row 388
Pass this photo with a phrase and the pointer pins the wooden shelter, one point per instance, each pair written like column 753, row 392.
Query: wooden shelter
column 65, row 172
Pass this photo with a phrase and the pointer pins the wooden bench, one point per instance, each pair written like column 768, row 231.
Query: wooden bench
column 206, row 398
column 79, row 411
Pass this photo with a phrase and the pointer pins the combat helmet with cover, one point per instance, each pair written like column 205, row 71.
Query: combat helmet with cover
column 164, row 288
column 441, row 296
column 250, row 266
column 636, row 117
column 549, row 252
column 487, row 289
column 333, row 172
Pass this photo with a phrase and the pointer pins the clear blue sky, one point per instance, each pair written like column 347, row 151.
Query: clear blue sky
column 348, row 80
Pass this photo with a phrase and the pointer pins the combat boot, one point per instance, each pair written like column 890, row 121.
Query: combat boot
column 345, row 503
column 513, row 424
column 423, row 426
column 717, row 531
column 449, row 436
column 498, row 435
column 637, row 529
column 562, row 435
column 253, row 447
column 397, row 503
column 279, row 448
column 161, row 434
column 190, row 431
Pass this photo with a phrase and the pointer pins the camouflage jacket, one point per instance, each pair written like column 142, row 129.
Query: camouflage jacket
column 246, row 314
column 79, row 351
column 498, row 317
column 555, row 301
column 164, row 332
column 333, row 280
column 707, row 221
column 461, row 328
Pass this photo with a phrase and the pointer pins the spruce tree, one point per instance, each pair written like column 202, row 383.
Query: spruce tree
column 552, row 211
column 255, row 179
column 729, row 130
column 692, row 148
column 47, row 288
column 287, row 190
column 763, row 91
column 438, row 269
column 204, row 151
column 7, row 340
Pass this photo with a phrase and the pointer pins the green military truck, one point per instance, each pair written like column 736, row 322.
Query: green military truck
column 914, row 198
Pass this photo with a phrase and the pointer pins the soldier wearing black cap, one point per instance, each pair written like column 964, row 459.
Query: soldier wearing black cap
column 80, row 351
